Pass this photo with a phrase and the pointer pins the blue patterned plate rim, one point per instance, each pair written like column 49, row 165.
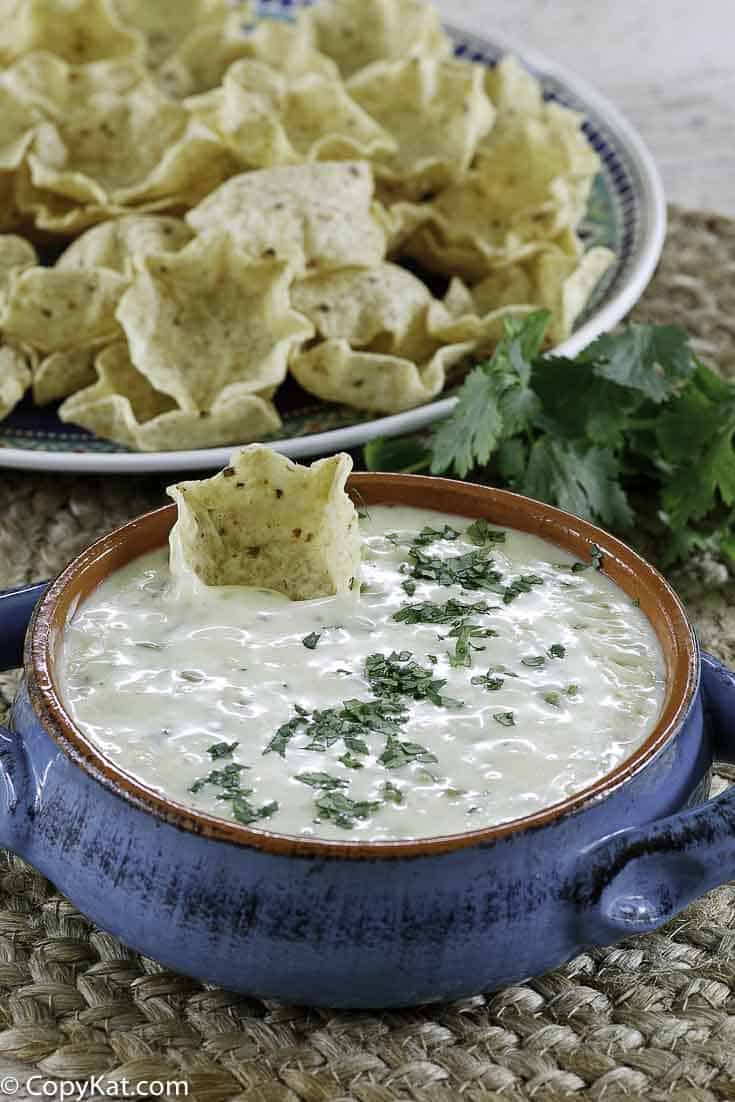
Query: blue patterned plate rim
column 628, row 212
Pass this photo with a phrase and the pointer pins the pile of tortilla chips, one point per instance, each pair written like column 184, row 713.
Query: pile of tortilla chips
column 232, row 199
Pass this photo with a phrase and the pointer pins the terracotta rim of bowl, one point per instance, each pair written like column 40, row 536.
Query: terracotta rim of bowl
column 631, row 572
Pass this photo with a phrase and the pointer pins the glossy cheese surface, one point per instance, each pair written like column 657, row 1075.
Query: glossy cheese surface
column 478, row 675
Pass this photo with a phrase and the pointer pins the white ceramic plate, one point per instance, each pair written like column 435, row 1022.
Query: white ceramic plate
column 627, row 212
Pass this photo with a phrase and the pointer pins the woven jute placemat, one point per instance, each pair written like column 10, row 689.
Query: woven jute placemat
column 653, row 1018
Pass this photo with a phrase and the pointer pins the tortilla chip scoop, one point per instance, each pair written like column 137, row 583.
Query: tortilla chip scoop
column 268, row 522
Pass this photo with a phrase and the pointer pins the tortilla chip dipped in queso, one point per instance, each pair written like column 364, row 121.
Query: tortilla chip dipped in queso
column 266, row 521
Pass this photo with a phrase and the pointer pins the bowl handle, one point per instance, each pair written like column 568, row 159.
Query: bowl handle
column 635, row 880
column 16, row 608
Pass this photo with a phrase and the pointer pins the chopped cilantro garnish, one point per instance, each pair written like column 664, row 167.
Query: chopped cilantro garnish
column 465, row 634
column 310, row 641
column 492, row 684
column 397, row 674
column 391, row 793
column 426, row 612
column 351, row 723
column 426, row 536
column 475, row 570
column 227, row 778
column 350, row 760
column 397, row 753
column 481, row 533
column 523, row 584
column 342, row 810
column 221, row 749
column 505, row 719
column 286, row 732
column 246, row 813
column 321, row 780
column 429, row 535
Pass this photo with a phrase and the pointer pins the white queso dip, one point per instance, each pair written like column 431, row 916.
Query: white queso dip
column 476, row 675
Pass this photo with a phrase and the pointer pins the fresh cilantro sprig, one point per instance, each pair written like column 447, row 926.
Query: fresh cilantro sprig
column 633, row 415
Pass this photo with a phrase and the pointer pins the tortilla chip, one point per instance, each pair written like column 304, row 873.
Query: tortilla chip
column 266, row 521
column 56, row 89
column 437, row 112
column 386, row 345
column 566, row 292
column 119, row 243
column 202, row 60
column 52, row 310
column 121, row 405
column 383, row 309
column 400, row 222
column 513, row 90
column 357, row 32
column 18, row 122
column 58, row 215
column 288, row 47
column 265, row 119
column 208, row 318
column 80, row 31
column 460, row 317
column 112, row 137
column 15, row 377
column 552, row 280
column 163, row 25
column 63, row 373
column 16, row 254
column 530, row 181
column 335, row 372
column 314, row 215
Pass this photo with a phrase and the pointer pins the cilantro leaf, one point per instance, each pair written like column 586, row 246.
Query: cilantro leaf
column 398, row 453
column 397, row 753
column 221, row 749
column 321, row 780
column 655, row 359
column 635, row 411
column 695, row 435
column 494, row 402
column 468, row 438
column 582, row 481
column 342, row 810
column 480, row 532
column 599, row 411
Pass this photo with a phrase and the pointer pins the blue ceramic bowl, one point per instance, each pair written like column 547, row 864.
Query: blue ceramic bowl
column 354, row 924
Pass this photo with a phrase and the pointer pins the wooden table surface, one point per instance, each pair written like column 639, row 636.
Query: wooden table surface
column 667, row 66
